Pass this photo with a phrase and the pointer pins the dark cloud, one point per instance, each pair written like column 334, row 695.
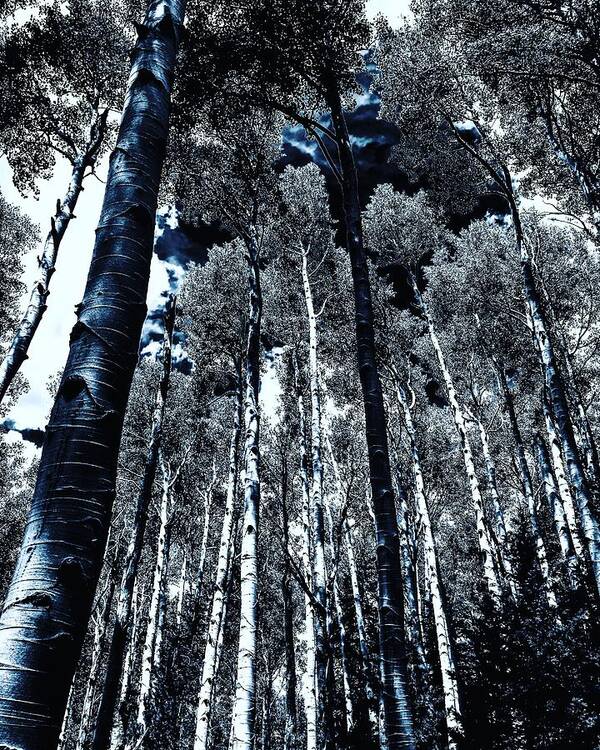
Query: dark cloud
column 187, row 243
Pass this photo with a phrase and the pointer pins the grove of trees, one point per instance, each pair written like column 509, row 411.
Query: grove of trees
column 349, row 497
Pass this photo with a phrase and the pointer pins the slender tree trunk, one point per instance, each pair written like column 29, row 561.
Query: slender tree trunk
column 62, row 737
column 291, row 719
column 442, row 631
column 154, row 629
column 181, row 590
column 414, row 623
column 310, row 692
column 323, row 651
column 561, row 525
column 216, row 621
column 499, row 525
column 557, row 399
column 16, row 353
column 398, row 714
column 527, row 485
column 364, row 655
column 245, row 694
column 339, row 618
column 117, row 736
column 363, row 644
column 106, row 722
column 485, row 543
column 208, row 501
column 564, row 489
column 47, row 607
column 88, row 716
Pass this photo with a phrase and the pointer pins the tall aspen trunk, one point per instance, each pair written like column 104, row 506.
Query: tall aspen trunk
column 216, row 621
column 245, row 694
column 62, row 737
column 48, row 604
column 561, row 525
column 291, row 719
column 585, row 435
column 363, row 644
column 16, row 353
column 197, row 587
column 397, row 709
column 557, row 399
column 181, row 587
column 527, row 485
column 442, row 632
column 310, row 692
column 499, row 525
column 106, row 722
column 154, row 629
column 485, row 542
column 339, row 618
column 412, row 599
column 564, row 490
column 323, row 651
column 88, row 716
column 117, row 737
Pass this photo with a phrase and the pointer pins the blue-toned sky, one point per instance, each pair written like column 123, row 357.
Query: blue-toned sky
column 49, row 348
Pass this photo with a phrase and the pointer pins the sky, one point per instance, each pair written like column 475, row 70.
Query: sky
column 48, row 351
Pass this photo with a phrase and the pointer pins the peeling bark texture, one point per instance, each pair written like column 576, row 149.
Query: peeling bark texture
column 310, row 691
column 120, row 633
column 216, row 621
column 397, row 709
column 444, row 644
column 48, row 604
column 527, row 485
column 244, row 711
column 483, row 536
column 561, row 525
column 16, row 353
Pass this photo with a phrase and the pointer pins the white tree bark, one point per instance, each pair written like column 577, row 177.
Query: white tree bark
column 310, row 680
column 181, row 587
column 499, row 524
column 557, row 401
column 444, row 644
column 485, row 543
column 244, row 711
column 217, row 611
column 152, row 643
column 564, row 489
column 363, row 643
column 118, row 728
column 527, row 485
column 86, row 724
column 323, row 647
column 16, row 353
column 339, row 616
column 561, row 525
